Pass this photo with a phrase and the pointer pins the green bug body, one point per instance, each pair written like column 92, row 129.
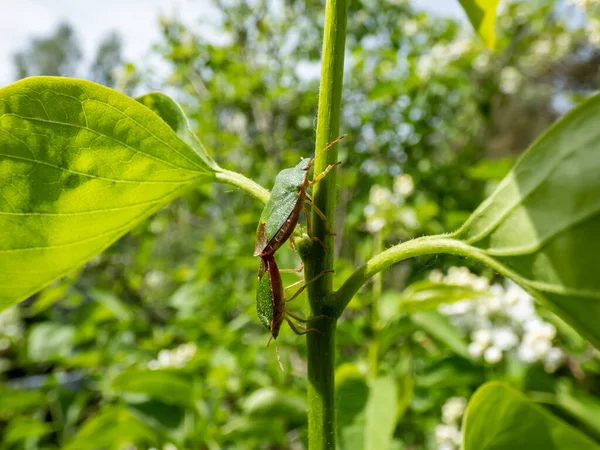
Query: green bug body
column 281, row 213
column 271, row 300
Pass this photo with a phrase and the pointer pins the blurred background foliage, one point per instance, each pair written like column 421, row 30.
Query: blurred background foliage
column 156, row 344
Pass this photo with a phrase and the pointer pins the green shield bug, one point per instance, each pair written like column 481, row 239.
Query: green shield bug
column 271, row 300
column 280, row 215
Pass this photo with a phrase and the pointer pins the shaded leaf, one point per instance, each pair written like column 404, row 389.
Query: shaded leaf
column 540, row 226
column 427, row 295
column 440, row 328
column 499, row 417
column 482, row 15
column 80, row 165
column 581, row 405
column 351, row 395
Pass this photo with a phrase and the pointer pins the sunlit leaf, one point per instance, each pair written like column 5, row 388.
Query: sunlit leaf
column 499, row 417
column 168, row 110
column 80, row 165
column 169, row 386
column 49, row 341
column 112, row 428
column 381, row 413
column 482, row 15
column 540, row 227
column 22, row 428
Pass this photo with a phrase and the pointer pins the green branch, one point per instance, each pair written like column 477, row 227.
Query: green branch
column 245, row 184
column 427, row 245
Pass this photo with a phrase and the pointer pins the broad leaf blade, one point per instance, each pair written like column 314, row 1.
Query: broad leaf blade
column 482, row 15
column 169, row 111
column 381, row 413
column 541, row 224
column 498, row 417
column 80, row 165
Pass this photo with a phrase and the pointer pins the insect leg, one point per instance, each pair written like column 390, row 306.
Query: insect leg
column 279, row 357
column 300, row 269
column 301, row 319
column 322, row 175
column 320, row 214
column 295, row 328
column 299, row 291
column 309, row 230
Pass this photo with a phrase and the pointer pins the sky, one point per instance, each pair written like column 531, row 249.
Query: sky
column 135, row 20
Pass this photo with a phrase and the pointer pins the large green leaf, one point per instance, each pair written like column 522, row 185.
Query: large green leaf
column 80, row 165
column 498, row 418
column 482, row 15
column 540, row 227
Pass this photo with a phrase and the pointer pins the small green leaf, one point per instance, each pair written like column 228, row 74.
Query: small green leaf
column 112, row 428
column 269, row 402
column 168, row 386
column 170, row 111
column 381, row 413
column 482, row 15
column 579, row 404
column 14, row 401
column 50, row 341
column 22, row 428
column 439, row 327
column 80, row 165
column 499, row 417
column 540, row 227
column 427, row 295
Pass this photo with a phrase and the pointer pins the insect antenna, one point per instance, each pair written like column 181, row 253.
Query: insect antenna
column 331, row 144
column 279, row 357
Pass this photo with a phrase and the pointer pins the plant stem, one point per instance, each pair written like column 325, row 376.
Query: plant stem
column 426, row 245
column 321, row 347
column 375, row 321
column 245, row 184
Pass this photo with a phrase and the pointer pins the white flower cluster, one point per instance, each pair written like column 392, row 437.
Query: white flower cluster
column 10, row 327
column 177, row 358
column 448, row 435
column 502, row 321
column 385, row 205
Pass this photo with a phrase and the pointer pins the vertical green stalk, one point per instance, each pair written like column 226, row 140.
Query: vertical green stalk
column 321, row 347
